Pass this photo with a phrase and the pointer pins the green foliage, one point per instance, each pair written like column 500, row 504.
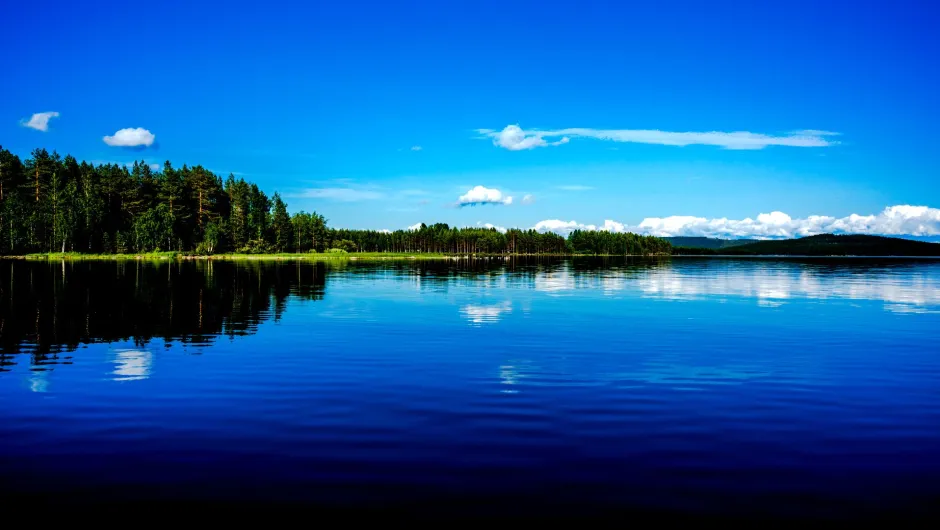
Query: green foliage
column 211, row 239
column 120, row 243
column 153, row 229
column 344, row 245
column 255, row 246
column 611, row 243
column 56, row 256
column 310, row 232
column 828, row 245
column 281, row 225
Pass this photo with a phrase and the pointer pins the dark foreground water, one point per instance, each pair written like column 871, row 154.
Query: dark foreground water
column 693, row 385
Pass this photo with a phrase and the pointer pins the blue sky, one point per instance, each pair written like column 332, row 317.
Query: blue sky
column 328, row 102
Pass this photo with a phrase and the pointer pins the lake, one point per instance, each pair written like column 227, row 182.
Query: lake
column 703, row 386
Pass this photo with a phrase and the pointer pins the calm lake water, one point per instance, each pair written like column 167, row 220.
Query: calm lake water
column 795, row 387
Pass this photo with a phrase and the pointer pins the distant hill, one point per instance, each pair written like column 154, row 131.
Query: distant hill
column 828, row 245
column 707, row 242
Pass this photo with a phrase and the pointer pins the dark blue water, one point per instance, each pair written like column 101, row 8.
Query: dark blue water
column 771, row 387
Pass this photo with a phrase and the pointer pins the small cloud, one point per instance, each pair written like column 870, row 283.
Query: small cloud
column 385, row 231
column 565, row 227
column 514, row 138
column 528, row 199
column 155, row 167
column 416, row 148
column 479, row 195
column 138, row 137
column 415, row 227
column 575, row 187
column 337, row 194
column 40, row 121
column 499, row 229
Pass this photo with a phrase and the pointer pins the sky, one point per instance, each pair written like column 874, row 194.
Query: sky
column 725, row 119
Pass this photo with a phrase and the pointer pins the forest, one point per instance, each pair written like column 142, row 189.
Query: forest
column 824, row 245
column 50, row 203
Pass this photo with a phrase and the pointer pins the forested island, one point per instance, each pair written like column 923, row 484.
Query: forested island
column 822, row 245
column 54, row 204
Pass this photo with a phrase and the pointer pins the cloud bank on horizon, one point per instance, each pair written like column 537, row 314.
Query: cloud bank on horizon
column 515, row 138
column 898, row 220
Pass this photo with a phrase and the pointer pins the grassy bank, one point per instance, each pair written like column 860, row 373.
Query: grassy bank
column 325, row 256
column 158, row 256
column 78, row 256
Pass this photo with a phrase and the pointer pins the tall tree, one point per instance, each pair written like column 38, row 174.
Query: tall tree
column 281, row 225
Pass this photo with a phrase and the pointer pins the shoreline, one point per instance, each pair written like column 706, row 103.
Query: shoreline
column 415, row 256
column 364, row 256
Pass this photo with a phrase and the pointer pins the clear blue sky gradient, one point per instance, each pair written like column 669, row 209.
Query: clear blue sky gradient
column 299, row 96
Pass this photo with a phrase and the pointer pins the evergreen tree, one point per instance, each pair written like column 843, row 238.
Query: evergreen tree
column 281, row 225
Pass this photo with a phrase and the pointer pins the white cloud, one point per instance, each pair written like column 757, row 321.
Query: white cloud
column 566, row 227
column 500, row 229
column 893, row 220
column 416, row 148
column 40, row 121
column 416, row 226
column 561, row 227
column 899, row 220
column 385, row 231
column 528, row 199
column 480, row 195
column 514, row 138
column 337, row 194
column 131, row 138
column 155, row 167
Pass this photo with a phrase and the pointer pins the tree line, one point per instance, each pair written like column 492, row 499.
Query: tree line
column 50, row 203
